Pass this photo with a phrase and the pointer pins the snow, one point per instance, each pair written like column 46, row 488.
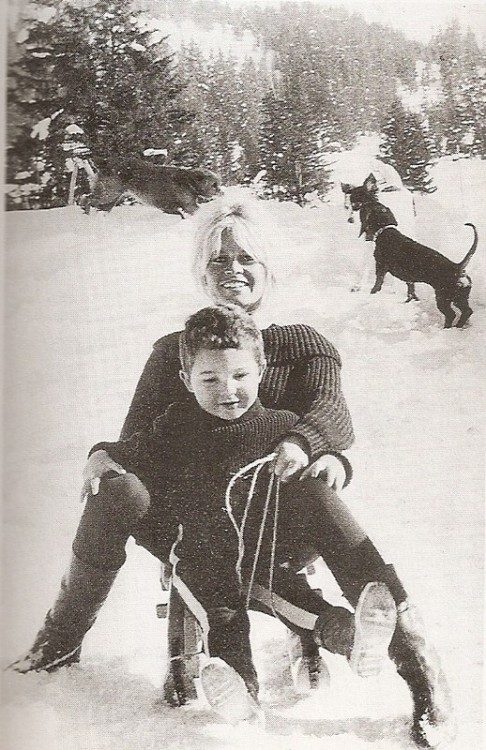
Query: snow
column 85, row 299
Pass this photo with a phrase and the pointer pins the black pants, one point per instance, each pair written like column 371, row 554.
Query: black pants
column 312, row 520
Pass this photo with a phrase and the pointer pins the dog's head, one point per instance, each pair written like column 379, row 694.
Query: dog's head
column 206, row 184
column 375, row 216
column 363, row 194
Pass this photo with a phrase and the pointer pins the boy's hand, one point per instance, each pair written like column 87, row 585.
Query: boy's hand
column 289, row 459
column 99, row 464
column 329, row 468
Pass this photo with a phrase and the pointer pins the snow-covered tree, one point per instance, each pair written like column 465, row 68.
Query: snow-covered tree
column 460, row 117
column 225, row 95
column 99, row 69
column 290, row 149
column 406, row 146
column 472, row 107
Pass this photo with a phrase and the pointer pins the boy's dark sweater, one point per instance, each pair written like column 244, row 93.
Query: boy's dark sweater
column 188, row 456
column 302, row 376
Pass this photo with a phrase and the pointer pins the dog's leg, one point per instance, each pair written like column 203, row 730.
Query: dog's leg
column 381, row 272
column 444, row 305
column 411, row 292
column 85, row 204
column 463, row 304
column 464, row 317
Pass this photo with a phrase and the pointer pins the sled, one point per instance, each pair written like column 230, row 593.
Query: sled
column 184, row 639
column 184, row 648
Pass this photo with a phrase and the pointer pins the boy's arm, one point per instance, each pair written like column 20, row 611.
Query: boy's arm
column 132, row 455
column 126, row 453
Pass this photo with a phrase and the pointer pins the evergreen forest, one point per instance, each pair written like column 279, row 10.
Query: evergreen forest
column 100, row 79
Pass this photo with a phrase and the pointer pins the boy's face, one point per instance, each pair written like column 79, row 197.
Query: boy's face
column 224, row 381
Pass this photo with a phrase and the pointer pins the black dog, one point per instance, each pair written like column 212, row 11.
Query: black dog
column 411, row 261
column 174, row 190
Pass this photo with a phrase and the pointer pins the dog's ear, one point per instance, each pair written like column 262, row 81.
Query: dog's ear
column 370, row 184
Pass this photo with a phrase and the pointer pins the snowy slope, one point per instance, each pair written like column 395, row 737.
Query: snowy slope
column 86, row 297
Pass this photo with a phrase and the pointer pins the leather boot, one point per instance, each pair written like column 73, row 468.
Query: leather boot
column 58, row 643
column 418, row 664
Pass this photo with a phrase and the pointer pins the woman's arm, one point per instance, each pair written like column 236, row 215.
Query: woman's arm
column 158, row 387
column 325, row 422
column 305, row 377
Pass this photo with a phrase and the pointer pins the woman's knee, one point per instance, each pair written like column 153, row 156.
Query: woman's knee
column 316, row 493
column 324, row 504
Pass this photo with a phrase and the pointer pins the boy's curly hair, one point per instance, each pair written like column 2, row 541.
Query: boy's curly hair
column 219, row 327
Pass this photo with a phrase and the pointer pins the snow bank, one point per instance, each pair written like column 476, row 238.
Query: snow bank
column 85, row 298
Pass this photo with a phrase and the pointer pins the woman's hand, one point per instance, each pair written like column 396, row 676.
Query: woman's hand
column 329, row 468
column 99, row 464
column 289, row 459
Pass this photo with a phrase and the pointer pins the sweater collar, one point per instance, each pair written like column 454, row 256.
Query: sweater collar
column 210, row 421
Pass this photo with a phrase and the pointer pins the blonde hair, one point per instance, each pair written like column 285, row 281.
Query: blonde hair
column 239, row 211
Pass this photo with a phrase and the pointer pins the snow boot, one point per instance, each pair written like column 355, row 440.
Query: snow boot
column 418, row 663
column 364, row 638
column 58, row 643
column 227, row 694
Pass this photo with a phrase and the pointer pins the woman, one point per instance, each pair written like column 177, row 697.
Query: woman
column 303, row 376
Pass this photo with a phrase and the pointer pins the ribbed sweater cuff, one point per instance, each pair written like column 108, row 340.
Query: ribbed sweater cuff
column 346, row 464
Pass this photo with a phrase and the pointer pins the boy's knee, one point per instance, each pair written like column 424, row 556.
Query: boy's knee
column 125, row 495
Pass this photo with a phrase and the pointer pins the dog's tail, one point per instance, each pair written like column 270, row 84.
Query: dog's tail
column 463, row 263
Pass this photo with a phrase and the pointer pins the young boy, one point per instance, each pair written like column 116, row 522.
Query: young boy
column 186, row 462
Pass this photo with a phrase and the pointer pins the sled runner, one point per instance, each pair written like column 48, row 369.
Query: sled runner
column 184, row 644
column 185, row 649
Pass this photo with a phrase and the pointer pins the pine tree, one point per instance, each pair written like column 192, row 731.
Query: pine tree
column 472, row 94
column 295, row 128
column 289, row 149
column 406, row 147
column 193, row 68
column 225, row 96
column 459, row 117
column 252, row 83
column 96, row 69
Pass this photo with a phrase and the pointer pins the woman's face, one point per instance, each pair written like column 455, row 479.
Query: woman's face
column 234, row 277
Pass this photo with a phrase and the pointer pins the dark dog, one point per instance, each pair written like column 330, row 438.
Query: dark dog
column 174, row 190
column 409, row 260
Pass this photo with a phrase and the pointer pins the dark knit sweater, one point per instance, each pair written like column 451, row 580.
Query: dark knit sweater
column 187, row 458
column 302, row 376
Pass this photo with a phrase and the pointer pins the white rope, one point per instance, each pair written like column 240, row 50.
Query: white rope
column 260, row 539
column 256, row 466
column 274, row 546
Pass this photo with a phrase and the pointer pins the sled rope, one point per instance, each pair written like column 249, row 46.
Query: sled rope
column 256, row 466
column 260, row 539
column 274, row 546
